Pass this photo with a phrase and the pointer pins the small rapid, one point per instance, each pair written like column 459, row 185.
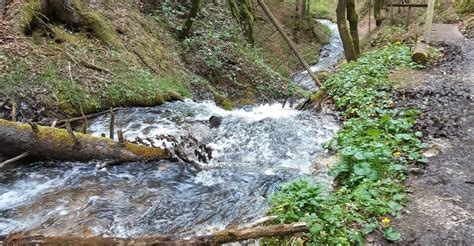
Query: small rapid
column 328, row 57
column 255, row 149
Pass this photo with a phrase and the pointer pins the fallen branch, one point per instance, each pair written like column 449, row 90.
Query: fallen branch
column 260, row 221
column 14, row 159
column 56, row 143
column 220, row 237
column 85, row 117
column 86, row 123
column 88, row 65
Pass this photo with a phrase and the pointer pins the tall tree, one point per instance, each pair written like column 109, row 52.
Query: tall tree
column 353, row 19
column 346, row 37
column 193, row 12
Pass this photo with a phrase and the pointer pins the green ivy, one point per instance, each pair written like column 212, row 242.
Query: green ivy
column 375, row 146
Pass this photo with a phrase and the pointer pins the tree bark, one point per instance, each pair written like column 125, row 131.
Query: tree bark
column 247, row 14
column 420, row 55
column 55, row 143
column 346, row 37
column 288, row 41
column 378, row 12
column 353, row 19
column 193, row 12
column 218, row 238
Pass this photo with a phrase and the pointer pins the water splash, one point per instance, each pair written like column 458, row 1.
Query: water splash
column 255, row 150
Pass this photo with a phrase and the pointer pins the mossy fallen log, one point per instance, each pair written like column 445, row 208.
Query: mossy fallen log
column 420, row 54
column 54, row 143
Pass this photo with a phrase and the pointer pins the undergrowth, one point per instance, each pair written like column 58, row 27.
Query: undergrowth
column 375, row 146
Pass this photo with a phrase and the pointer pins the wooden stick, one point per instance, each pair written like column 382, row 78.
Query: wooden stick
column 290, row 43
column 86, row 116
column 34, row 127
column 86, row 123
column 88, row 65
column 71, row 134
column 14, row 159
column 261, row 221
column 14, row 108
column 111, row 125
column 5, row 103
column 120, row 137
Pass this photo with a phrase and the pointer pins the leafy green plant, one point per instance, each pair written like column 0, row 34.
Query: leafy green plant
column 374, row 147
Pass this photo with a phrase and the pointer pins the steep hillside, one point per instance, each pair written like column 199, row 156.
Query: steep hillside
column 127, row 54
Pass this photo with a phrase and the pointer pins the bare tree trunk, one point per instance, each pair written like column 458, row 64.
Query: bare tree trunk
column 290, row 43
column 55, row 143
column 353, row 19
column 193, row 12
column 346, row 37
column 378, row 12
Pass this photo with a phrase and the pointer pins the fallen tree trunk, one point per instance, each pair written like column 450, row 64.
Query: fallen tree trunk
column 420, row 54
column 54, row 143
column 221, row 237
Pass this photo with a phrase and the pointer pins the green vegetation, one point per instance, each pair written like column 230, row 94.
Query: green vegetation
column 218, row 51
column 375, row 146
column 464, row 6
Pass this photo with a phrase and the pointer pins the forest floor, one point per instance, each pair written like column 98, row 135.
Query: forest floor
column 440, row 210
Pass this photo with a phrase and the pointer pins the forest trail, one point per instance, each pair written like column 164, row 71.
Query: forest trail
column 440, row 210
column 445, row 32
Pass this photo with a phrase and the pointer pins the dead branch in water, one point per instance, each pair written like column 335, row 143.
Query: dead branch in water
column 14, row 159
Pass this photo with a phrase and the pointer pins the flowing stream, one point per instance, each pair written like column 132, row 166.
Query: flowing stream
column 328, row 57
column 254, row 150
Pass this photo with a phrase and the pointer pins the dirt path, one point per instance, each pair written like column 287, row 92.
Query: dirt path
column 440, row 210
column 445, row 33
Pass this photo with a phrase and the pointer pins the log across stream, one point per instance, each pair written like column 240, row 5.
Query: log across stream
column 255, row 149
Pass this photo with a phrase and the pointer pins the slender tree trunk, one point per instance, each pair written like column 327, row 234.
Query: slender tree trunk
column 378, row 12
column 247, row 14
column 193, row 12
column 297, row 19
column 353, row 19
column 346, row 37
